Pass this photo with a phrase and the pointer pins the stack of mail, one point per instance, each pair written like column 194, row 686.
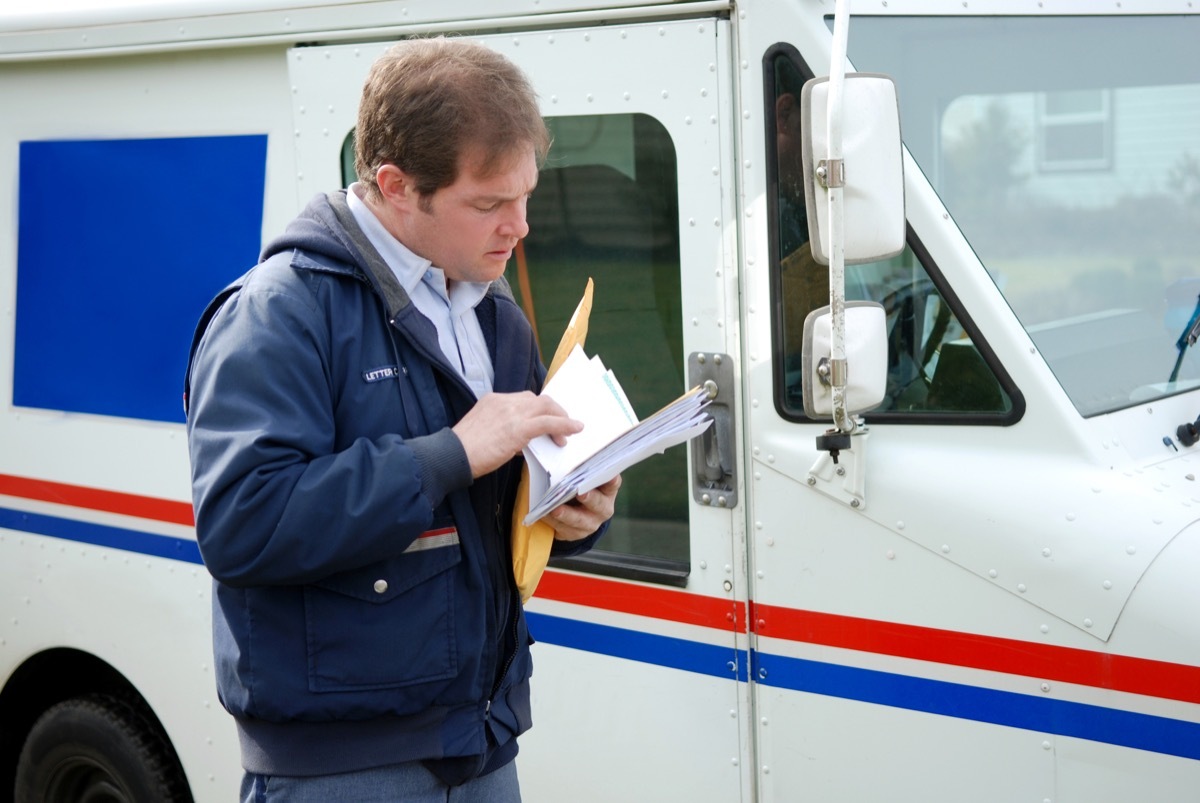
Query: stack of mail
column 611, row 441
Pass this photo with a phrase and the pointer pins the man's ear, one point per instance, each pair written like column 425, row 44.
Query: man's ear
column 396, row 187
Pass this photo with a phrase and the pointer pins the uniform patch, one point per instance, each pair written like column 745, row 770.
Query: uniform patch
column 381, row 373
column 434, row 539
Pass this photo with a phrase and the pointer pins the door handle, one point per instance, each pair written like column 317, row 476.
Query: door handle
column 714, row 452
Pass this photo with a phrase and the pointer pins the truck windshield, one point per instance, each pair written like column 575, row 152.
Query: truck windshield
column 1067, row 150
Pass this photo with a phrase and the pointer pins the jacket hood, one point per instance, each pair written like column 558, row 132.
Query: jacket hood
column 326, row 233
column 317, row 231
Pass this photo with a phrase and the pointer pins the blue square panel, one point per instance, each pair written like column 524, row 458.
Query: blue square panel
column 120, row 245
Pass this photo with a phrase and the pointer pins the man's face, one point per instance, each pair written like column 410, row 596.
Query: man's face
column 469, row 229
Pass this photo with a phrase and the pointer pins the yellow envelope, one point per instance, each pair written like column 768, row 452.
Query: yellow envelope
column 531, row 543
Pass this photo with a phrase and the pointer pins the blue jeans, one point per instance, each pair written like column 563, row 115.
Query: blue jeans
column 406, row 783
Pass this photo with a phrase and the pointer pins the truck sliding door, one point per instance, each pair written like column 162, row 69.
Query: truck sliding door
column 639, row 691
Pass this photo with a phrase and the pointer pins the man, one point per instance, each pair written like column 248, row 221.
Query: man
column 357, row 402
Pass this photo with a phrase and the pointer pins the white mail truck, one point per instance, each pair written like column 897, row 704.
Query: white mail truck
column 980, row 584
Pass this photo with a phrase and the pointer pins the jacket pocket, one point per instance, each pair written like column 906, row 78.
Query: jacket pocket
column 387, row 625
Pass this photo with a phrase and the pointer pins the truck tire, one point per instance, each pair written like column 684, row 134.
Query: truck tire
column 99, row 749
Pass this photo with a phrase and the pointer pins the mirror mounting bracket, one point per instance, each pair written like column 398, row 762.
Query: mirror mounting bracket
column 831, row 173
column 844, row 479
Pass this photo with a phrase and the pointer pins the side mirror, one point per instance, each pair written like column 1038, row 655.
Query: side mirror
column 866, row 358
column 873, row 178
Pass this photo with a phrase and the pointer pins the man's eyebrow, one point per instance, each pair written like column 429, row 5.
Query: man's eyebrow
column 498, row 196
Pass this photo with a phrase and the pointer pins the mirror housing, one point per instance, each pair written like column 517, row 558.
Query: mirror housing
column 866, row 359
column 873, row 189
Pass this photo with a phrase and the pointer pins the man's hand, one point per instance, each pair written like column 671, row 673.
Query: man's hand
column 584, row 514
column 499, row 426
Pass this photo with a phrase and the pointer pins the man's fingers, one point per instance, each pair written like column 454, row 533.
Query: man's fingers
column 558, row 428
column 608, row 490
column 500, row 425
column 584, row 514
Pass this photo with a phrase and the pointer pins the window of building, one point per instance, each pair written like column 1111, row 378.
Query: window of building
column 1074, row 130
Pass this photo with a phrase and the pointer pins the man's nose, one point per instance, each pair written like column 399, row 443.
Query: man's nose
column 514, row 224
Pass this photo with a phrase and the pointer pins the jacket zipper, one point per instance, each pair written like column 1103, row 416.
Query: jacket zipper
column 514, row 612
column 501, row 580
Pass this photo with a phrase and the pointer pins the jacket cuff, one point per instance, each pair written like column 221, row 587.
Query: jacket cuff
column 569, row 549
column 443, row 464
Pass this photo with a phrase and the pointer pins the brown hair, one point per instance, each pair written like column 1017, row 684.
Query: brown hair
column 426, row 101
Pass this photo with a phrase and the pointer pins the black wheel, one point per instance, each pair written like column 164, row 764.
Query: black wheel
column 99, row 749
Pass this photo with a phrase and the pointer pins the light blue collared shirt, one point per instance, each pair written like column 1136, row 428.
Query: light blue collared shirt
column 449, row 306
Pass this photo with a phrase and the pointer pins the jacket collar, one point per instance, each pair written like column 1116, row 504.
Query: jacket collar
column 378, row 273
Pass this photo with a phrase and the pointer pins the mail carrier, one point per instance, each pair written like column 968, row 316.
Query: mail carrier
column 981, row 585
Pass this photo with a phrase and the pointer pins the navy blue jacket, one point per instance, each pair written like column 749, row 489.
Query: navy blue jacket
column 364, row 608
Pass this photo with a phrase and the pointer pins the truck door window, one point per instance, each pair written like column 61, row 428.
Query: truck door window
column 606, row 207
column 934, row 365
column 1075, row 177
